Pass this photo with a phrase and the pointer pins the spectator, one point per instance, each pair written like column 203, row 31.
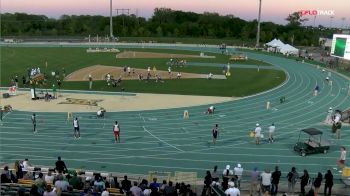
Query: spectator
column 304, row 180
column 232, row 191
column 170, row 190
column 254, row 176
column 154, row 192
column 126, row 184
column 49, row 191
column 154, row 184
column 75, row 181
column 18, row 170
column 207, row 182
column 224, row 184
column 144, row 184
column 34, row 191
column 208, row 179
column 40, row 183
column 182, row 189
column 276, row 175
column 105, row 193
column 292, row 179
column 214, row 174
column 26, row 164
column 6, row 175
column 328, row 183
column 115, row 183
column 107, row 184
column 227, row 172
column 317, row 183
column 266, row 181
column 238, row 175
column 49, row 178
column 61, row 184
column 135, row 190
column 99, row 184
column 162, row 187
column 60, row 166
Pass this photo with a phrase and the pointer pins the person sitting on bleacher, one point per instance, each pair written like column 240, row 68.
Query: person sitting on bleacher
column 49, row 178
column 61, row 184
column 6, row 175
column 49, row 191
column 40, row 183
column 99, row 184
column 75, row 181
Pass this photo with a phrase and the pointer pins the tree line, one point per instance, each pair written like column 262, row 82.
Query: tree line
column 163, row 23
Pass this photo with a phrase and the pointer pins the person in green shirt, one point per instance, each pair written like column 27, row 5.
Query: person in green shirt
column 75, row 181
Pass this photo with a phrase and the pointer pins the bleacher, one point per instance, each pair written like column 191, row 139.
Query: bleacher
column 341, row 186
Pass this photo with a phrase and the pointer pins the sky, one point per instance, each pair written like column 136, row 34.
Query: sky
column 272, row 10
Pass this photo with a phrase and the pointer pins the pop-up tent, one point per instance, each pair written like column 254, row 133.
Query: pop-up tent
column 288, row 49
column 274, row 45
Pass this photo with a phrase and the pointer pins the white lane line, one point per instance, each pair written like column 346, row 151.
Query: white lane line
column 142, row 117
column 144, row 128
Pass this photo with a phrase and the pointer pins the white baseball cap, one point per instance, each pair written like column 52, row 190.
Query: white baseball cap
column 239, row 165
column 227, row 166
column 231, row 184
column 257, row 124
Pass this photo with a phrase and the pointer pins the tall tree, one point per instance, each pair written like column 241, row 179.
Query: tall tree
column 295, row 19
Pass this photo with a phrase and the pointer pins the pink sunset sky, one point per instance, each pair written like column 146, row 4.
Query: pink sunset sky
column 272, row 10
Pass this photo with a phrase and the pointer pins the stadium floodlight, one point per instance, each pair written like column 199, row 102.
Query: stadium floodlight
column 110, row 20
column 330, row 21
column 258, row 31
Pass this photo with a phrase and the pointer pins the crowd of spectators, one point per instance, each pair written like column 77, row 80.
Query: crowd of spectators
column 64, row 180
column 267, row 182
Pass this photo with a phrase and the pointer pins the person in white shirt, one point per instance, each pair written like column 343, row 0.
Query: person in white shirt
column 266, row 181
column 271, row 131
column 25, row 164
column 341, row 161
column 76, row 128
column 257, row 133
column 238, row 174
column 105, row 193
column 49, row 178
column 61, row 184
column 232, row 190
column 210, row 110
column 227, row 172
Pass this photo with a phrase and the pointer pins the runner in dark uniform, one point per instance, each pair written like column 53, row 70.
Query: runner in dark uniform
column 215, row 133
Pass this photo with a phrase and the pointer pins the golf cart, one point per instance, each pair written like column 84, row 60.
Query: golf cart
column 313, row 145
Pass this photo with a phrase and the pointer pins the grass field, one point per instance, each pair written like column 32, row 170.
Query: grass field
column 243, row 82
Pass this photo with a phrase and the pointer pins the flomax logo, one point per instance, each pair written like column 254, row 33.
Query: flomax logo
column 316, row 12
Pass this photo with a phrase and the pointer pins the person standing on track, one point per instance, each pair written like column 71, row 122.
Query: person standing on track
column 76, row 128
column 341, row 161
column 271, row 131
column 116, row 132
column 257, row 133
column 34, row 122
column 215, row 132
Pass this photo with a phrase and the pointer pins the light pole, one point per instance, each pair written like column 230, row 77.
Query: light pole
column 110, row 20
column 330, row 22
column 258, row 31
column 342, row 22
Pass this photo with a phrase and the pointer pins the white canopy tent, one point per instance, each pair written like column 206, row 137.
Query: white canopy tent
column 274, row 45
column 288, row 49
